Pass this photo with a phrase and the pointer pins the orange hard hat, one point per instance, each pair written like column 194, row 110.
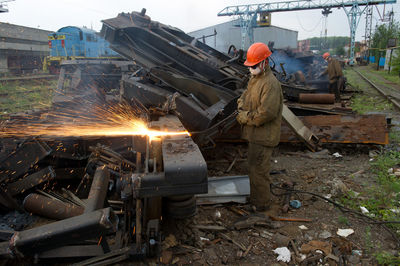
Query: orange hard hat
column 257, row 52
column 326, row 55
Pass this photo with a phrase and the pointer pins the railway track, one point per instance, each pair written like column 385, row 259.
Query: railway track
column 384, row 92
column 28, row 78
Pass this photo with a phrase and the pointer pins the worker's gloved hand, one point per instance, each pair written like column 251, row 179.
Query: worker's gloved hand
column 242, row 117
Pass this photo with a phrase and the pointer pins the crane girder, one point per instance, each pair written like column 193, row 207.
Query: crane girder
column 296, row 5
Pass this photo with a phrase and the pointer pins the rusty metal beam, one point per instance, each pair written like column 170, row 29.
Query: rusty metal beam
column 362, row 129
column 69, row 231
column 50, row 208
column 302, row 131
column 98, row 190
column 31, row 181
column 26, row 156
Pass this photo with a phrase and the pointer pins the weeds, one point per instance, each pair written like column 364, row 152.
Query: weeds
column 343, row 220
column 368, row 99
column 25, row 95
column 363, row 104
column 385, row 258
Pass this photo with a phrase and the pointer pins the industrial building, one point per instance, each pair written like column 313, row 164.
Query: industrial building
column 221, row 36
column 22, row 48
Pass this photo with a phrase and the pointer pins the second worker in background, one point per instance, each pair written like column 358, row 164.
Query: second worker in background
column 335, row 75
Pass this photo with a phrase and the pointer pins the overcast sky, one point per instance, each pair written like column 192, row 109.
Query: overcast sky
column 187, row 15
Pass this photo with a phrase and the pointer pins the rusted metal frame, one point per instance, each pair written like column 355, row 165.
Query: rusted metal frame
column 145, row 54
column 160, row 46
column 164, row 42
column 386, row 95
column 184, row 168
column 27, row 155
column 31, row 181
column 98, row 189
column 186, row 108
column 68, row 231
column 301, row 131
column 362, row 129
column 50, row 208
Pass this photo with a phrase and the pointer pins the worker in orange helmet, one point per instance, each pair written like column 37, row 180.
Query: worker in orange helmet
column 335, row 75
column 260, row 115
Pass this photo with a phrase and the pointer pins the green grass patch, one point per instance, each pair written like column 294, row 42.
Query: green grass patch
column 362, row 103
column 380, row 78
column 17, row 96
column 382, row 197
column 392, row 76
column 352, row 78
column 394, row 136
column 368, row 99
column 385, row 258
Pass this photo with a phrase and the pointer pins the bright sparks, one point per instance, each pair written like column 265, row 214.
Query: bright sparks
column 95, row 120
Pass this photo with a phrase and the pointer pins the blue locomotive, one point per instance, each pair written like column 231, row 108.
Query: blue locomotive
column 71, row 43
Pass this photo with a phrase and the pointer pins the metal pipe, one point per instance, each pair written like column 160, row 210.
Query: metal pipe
column 318, row 98
column 50, row 208
column 98, row 190
column 69, row 231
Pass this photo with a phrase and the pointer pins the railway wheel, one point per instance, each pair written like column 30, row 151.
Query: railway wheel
column 181, row 207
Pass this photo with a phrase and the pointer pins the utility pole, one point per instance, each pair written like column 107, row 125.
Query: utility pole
column 368, row 30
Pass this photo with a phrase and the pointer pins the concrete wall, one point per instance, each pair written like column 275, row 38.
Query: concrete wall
column 21, row 41
column 3, row 63
column 230, row 33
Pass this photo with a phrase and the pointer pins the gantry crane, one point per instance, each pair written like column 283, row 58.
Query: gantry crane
column 353, row 9
column 3, row 6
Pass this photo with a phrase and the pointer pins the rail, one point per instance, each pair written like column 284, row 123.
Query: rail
column 384, row 93
column 28, row 77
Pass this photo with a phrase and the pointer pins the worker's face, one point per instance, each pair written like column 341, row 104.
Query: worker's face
column 257, row 69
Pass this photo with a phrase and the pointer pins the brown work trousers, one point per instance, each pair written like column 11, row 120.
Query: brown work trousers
column 336, row 87
column 259, row 165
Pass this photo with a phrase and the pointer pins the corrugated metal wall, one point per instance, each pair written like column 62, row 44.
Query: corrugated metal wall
column 229, row 33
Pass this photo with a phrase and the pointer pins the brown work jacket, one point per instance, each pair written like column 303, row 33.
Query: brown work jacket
column 262, row 102
column 334, row 70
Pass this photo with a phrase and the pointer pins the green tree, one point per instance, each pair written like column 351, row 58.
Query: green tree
column 331, row 43
column 339, row 51
column 381, row 36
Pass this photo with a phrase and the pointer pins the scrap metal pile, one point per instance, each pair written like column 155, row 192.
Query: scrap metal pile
column 110, row 190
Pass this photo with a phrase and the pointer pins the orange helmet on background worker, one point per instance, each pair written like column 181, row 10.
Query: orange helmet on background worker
column 256, row 53
column 326, row 55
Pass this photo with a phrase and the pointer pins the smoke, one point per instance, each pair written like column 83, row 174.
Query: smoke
column 290, row 63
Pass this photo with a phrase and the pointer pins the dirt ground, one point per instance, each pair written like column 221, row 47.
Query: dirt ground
column 320, row 173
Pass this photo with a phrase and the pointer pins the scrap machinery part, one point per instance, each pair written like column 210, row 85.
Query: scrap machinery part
column 153, row 44
column 68, row 231
column 182, row 169
column 98, row 189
